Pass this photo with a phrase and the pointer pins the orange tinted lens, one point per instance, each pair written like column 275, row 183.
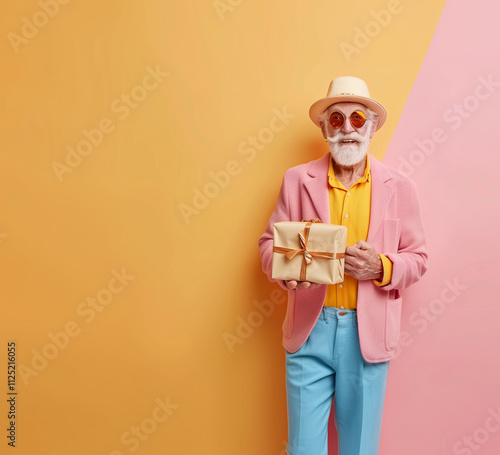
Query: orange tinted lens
column 358, row 119
column 336, row 119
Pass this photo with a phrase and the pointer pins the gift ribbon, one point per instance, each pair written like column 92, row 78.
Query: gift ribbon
column 307, row 257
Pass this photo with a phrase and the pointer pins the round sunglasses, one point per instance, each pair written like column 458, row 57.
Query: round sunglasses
column 357, row 119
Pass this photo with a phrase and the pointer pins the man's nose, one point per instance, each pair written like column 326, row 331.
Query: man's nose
column 347, row 127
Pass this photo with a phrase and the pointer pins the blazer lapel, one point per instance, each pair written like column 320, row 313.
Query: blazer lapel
column 382, row 192
column 317, row 187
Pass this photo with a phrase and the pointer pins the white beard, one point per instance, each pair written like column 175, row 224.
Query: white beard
column 348, row 154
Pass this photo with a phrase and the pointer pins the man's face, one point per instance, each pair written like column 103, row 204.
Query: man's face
column 348, row 145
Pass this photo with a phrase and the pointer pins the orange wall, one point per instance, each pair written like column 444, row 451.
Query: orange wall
column 128, row 149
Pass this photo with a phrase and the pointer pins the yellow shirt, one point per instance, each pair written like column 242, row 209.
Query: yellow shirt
column 351, row 208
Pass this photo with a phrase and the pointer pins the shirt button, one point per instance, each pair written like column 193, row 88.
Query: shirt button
column 341, row 307
column 348, row 194
column 346, row 215
column 341, row 285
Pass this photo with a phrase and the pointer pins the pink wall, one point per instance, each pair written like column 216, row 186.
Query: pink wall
column 443, row 392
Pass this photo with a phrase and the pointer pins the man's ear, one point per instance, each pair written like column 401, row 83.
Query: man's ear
column 373, row 129
column 323, row 128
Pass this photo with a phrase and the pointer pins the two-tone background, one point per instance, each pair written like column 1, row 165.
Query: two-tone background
column 142, row 149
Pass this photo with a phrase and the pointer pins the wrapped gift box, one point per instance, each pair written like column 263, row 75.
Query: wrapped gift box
column 309, row 251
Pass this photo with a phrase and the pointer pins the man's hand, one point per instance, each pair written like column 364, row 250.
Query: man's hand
column 362, row 262
column 292, row 285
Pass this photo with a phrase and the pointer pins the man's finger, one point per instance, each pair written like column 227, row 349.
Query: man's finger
column 363, row 245
column 351, row 251
column 354, row 252
column 351, row 267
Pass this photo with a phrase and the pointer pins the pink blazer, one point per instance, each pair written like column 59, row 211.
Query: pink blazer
column 395, row 230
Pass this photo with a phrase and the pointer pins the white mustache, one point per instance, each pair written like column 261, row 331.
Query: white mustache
column 343, row 137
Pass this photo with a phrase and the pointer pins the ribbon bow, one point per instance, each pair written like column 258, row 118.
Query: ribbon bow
column 290, row 253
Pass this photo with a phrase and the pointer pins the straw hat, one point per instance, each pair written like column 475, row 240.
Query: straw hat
column 347, row 89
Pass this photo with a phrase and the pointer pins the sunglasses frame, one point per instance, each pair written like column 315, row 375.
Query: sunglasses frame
column 344, row 117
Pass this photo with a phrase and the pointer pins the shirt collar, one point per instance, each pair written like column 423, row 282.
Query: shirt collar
column 335, row 183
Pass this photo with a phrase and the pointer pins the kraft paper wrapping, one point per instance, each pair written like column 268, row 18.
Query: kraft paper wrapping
column 306, row 251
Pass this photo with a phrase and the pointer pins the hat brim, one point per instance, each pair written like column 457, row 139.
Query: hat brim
column 323, row 104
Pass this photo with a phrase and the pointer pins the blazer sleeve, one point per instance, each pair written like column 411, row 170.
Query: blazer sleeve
column 410, row 260
column 281, row 213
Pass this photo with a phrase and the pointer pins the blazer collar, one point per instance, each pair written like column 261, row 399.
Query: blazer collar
column 317, row 188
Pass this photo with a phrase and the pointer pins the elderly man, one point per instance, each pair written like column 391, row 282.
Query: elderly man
column 339, row 339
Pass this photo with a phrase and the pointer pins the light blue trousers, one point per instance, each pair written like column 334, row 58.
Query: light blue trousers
column 329, row 364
